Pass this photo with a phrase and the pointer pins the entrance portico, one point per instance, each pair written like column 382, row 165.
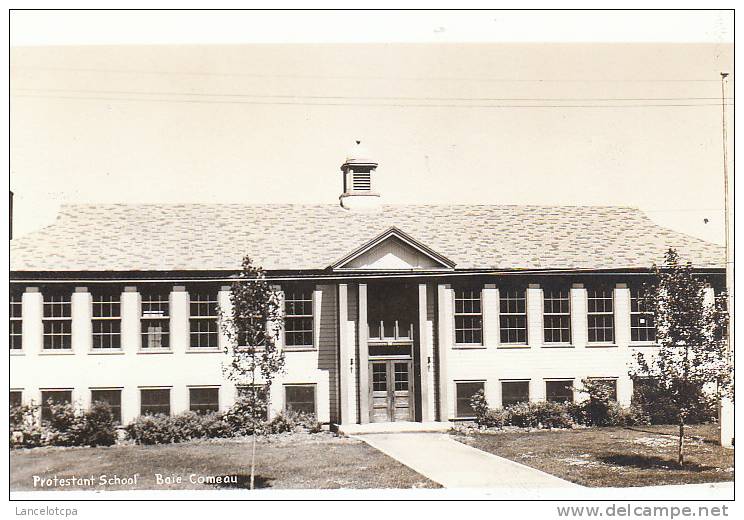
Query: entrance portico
column 386, row 353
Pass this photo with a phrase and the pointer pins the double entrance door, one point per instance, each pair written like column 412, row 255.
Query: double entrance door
column 391, row 390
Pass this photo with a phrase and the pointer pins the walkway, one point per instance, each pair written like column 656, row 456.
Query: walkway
column 456, row 465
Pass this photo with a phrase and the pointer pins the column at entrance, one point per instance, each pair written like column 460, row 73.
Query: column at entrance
column 363, row 361
column 346, row 359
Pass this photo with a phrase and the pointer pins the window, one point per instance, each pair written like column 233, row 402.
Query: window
column 468, row 317
column 112, row 398
column 203, row 321
column 298, row 317
column 16, row 321
column 611, row 385
column 262, row 394
column 57, row 322
column 466, row 390
column 50, row 397
column 16, row 398
column 106, row 321
column 559, row 391
column 300, row 398
column 204, row 400
column 154, row 401
column 155, row 321
column 513, row 392
column 557, row 316
column 513, row 316
column 642, row 326
column 600, row 315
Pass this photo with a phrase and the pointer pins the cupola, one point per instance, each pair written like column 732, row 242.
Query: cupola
column 358, row 171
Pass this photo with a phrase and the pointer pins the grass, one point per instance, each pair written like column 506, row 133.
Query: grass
column 615, row 457
column 298, row 461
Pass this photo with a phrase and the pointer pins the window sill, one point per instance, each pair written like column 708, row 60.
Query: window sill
column 557, row 345
column 67, row 352
column 155, row 351
column 203, row 350
column 465, row 346
column 601, row 345
column 642, row 344
column 17, row 353
column 512, row 346
column 300, row 349
column 111, row 352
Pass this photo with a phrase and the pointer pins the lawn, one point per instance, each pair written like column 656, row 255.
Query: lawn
column 317, row 461
column 614, row 457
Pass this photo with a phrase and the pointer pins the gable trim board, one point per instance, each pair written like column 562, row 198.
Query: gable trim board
column 389, row 238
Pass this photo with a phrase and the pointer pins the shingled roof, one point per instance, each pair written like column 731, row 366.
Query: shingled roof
column 215, row 237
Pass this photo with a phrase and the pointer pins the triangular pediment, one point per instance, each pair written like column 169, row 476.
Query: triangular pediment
column 393, row 250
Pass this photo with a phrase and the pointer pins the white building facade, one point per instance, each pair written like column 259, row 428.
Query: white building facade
column 392, row 313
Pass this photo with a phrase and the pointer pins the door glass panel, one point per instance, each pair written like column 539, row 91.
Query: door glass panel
column 401, row 376
column 379, row 377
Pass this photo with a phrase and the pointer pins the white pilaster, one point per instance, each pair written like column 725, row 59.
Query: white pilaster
column 534, row 315
column 624, row 390
column 131, row 326
column 363, row 332
column 130, row 402
column 82, row 326
column 426, row 367
column 622, row 316
column 490, row 308
column 32, row 307
column 579, row 326
column 225, row 305
column 444, row 300
column 346, row 353
column 179, row 307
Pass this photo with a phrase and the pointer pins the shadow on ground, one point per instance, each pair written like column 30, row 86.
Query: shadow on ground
column 674, row 435
column 649, row 462
column 244, row 482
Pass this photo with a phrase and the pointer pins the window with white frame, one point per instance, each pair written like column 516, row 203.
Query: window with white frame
column 50, row 398
column 16, row 321
column 468, row 317
column 15, row 398
column 298, row 317
column 465, row 390
column 300, row 398
column 609, row 383
column 557, row 316
column 111, row 397
column 255, row 394
column 642, row 325
column 203, row 322
column 106, row 321
column 57, row 321
column 154, row 401
column 513, row 392
column 559, row 391
column 155, row 320
column 513, row 315
column 600, row 315
column 204, row 399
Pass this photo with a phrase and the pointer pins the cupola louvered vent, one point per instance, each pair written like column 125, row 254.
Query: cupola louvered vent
column 362, row 181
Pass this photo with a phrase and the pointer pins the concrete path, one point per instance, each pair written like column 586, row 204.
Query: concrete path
column 456, row 465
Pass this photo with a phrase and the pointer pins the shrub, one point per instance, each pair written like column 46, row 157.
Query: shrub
column 244, row 416
column 292, row 421
column 25, row 430
column 99, row 426
column 658, row 405
column 485, row 416
column 597, row 408
column 152, row 429
column 626, row 415
column 65, row 427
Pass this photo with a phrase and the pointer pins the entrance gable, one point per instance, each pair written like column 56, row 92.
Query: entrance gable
column 391, row 251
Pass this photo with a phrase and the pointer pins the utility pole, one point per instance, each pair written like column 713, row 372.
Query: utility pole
column 726, row 409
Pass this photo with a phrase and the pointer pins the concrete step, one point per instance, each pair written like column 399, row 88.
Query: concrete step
column 392, row 427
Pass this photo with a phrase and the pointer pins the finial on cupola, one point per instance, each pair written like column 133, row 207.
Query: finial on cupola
column 358, row 169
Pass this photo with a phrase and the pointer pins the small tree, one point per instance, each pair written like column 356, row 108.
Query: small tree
column 691, row 334
column 252, row 327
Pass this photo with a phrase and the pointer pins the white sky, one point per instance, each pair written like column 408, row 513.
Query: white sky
column 271, row 123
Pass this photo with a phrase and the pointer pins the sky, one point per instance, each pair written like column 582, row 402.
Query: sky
column 519, row 123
